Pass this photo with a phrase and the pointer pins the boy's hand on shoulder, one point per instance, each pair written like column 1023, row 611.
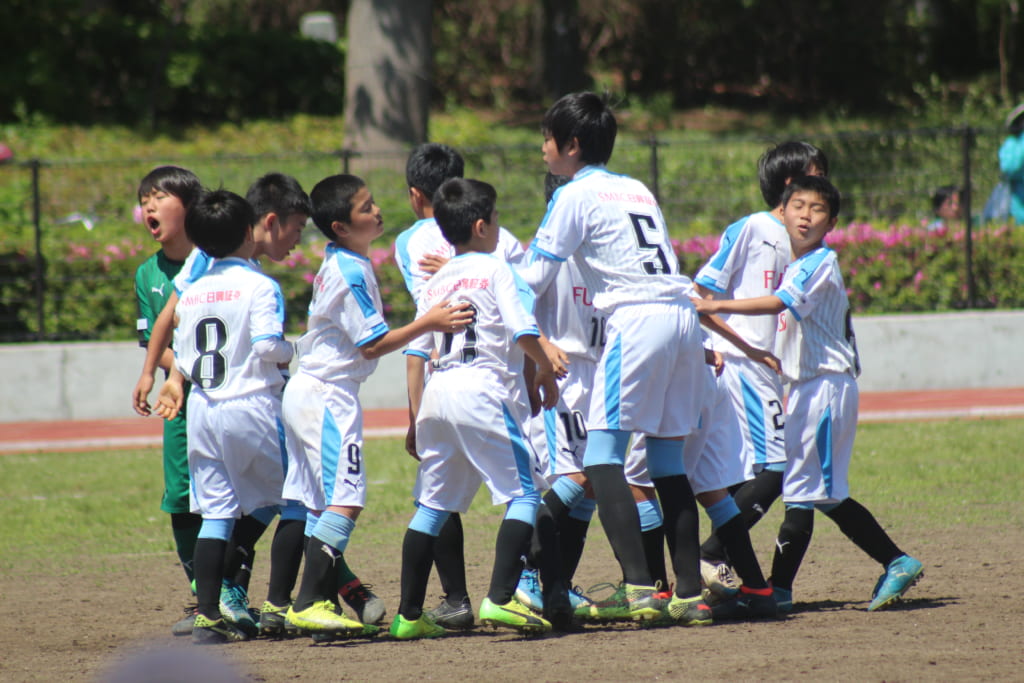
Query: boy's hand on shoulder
column 431, row 263
column 449, row 316
column 704, row 306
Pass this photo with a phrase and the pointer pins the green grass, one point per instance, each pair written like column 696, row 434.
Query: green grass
column 101, row 508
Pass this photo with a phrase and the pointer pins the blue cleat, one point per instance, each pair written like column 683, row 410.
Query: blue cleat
column 528, row 591
column 899, row 576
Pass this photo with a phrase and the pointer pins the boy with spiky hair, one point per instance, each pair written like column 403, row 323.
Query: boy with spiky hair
column 820, row 361
column 469, row 424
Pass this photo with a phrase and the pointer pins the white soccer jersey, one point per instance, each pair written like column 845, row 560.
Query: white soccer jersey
column 195, row 265
column 817, row 335
column 750, row 262
column 424, row 238
column 344, row 314
column 230, row 334
column 566, row 314
column 503, row 309
column 615, row 227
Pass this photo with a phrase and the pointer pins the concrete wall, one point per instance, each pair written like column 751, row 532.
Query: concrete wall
column 86, row 380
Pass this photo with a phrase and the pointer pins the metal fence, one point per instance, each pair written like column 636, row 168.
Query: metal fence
column 48, row 206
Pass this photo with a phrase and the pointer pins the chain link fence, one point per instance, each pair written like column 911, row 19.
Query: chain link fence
column 55, row 211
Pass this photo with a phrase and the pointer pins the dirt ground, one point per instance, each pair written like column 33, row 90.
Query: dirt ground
column 964, row 620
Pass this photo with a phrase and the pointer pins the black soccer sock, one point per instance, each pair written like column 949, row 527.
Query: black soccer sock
column 861, row 527
column 241, row 553
column 572, row 535
column 556, row 505
column 319, row 576
column 208, row 564
column 417, row 550
column 450, row 559
column 185, row 527
column 791, row 546
column 512, row 543
column 285, row 558
column 736, row 539
column 546, row 555
column 621, row 521
column 654, row 554
column 753, row 498
column 682, row 531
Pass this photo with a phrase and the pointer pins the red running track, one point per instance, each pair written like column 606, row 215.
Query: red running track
column 139, row 432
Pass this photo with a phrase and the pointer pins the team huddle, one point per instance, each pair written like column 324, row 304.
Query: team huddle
column 583, row 373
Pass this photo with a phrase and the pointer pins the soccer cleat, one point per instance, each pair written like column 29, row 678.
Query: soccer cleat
column 424, row 627
column 783, row 599
column 234, row 607
column 748, row 604
column 209, row 632
column 528, row 590
column 513, row 614
column 367, row 605
column 183, row 627
column 323, row 618
column 638, row 603
column 899, row 576
column 273, row 622
column 560, row 611
column 720, row 580
column 451, row 615
column 689, row 611
column 580, row 603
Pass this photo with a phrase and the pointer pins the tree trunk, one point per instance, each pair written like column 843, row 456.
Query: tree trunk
column 387, row 75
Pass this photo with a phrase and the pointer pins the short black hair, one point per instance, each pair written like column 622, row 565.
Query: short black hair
column 587, row 117
column 332, row 201
column 941, row 195
column 459, row 203
column 430, row 164
column 552, row 182
column 218, row 222
column 174, row 180
column 814, row 183
column 784, row 161
column 278, row 193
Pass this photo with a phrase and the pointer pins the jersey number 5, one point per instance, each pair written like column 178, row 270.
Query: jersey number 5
column 642, row 226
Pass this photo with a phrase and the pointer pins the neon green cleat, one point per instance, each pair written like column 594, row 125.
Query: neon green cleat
column 424, row 627
column 513, row 614
column 628, row 602
column 689, row 611
column 211, row 632
column 323, row 618
column 273, row 622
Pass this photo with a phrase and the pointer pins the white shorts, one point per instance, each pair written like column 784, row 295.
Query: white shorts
column 323, row 424
column 559, row 435
column 711, row 453
column 756, row 394
column 821, row 421
column 635, row 464
column 235, row 454
column 649, row 379
column 469, row 432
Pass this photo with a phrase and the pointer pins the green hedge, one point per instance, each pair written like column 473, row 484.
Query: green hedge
column 89, row 289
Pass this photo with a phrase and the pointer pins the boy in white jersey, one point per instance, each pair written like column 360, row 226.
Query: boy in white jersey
column 469, row 425
column 322, row 415
column 229, row 343
column 819, row 360
column 650, row 376
column 750, row 261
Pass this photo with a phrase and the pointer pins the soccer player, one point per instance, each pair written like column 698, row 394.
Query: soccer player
column 230, row 342
column 469, row 424
column 165, row 194
column 322, row 415
column 750, row 261
column 820, row 361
